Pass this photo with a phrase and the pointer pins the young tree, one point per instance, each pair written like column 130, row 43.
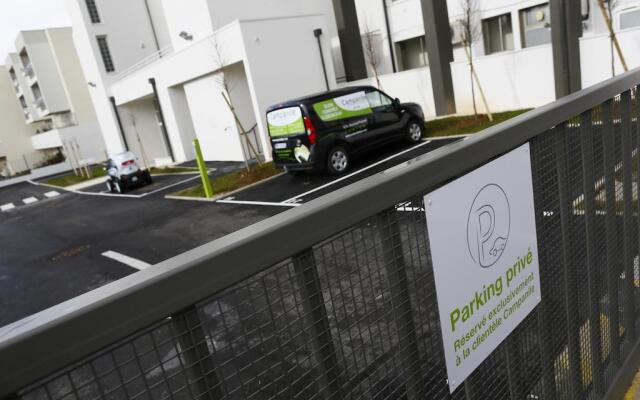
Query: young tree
column 370, row 42
column 226, row 83
column 469, row 33
column 606, row 14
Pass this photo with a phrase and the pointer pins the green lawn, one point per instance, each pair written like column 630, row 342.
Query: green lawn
column 233, row 181
column 72, row 179
column 466, row 124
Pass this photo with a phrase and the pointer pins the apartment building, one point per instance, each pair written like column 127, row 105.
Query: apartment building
column 53, row 102
column 161, row 70
column 511, row 49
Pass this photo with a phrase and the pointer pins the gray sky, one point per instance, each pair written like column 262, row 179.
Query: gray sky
column 22, row 15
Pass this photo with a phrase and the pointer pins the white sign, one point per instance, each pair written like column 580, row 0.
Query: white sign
column 482, row 234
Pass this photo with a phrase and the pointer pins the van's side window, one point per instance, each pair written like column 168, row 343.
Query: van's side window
column 378, row 101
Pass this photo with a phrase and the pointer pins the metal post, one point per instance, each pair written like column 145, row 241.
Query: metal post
column 570, row 284
column 189, row 333
column 163, row 125
column 613, row 274
column 440, row 52
column 202, row 167
column 566, row 28
column 317, row 33
column 629, row 247
column 117, row 113
column 595, row 343
column 389, row 38
column 316, row 315
column 403, row 314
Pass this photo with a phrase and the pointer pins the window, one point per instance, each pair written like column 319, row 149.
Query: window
column 411, row 53
column 630, row 18
column 93, row 11
column 498, row 34
column 106, row 54
column 536, row 25
column 377, row 100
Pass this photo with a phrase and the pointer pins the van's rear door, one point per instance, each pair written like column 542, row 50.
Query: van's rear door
column 286, row 130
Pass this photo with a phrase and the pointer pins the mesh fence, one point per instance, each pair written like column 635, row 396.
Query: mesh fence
column 356, row 317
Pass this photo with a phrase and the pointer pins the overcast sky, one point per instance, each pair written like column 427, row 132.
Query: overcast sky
column 21, row 15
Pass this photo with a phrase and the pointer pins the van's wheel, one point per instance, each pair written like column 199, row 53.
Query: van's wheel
column 338, row 160
column 414, row 131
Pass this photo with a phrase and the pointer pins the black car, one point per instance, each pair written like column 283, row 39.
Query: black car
column 326, row 130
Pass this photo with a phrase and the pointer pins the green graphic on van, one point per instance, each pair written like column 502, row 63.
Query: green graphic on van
column 348, row 106
column 285, row 122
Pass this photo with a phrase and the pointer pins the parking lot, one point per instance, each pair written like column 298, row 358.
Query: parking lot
column 64, row 244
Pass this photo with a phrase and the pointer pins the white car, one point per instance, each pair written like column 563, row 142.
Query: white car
column 124, row 173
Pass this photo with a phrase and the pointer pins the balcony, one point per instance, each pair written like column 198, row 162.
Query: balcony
column 28, row 71
column 52, row 133
column 41, row 105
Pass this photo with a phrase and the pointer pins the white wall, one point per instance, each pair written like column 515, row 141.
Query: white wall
column 192, row 18
column 146, row 128
column 213, row 122
column 273, row 82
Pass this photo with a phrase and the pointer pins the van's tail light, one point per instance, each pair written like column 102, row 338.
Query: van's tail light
column 129, row 162
column 311, row 130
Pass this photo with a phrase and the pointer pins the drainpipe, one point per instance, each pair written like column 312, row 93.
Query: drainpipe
column 163, row 126
column 317, row 33
column 117, row 113
column 153, row 27
column 386, row 21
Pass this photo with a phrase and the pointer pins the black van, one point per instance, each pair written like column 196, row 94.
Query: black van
column 326, row 130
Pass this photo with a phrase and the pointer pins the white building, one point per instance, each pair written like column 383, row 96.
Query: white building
column 265, row 51
column 52, row 99
column 156, row 67
column 512, row 49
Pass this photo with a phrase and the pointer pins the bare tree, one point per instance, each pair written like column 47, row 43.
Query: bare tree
column 370, row 42
column 469, row 33
column 606, row 14
column 226, row 83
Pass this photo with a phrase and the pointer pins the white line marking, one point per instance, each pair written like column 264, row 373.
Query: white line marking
column 52, row 193
column 258, row 203
column 29, row 200
column 7, row 207
column 357, row 172
column 170, row 186
column 130, row 261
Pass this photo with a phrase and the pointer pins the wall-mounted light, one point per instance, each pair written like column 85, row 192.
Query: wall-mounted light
column 185, row 35
column 92, row 84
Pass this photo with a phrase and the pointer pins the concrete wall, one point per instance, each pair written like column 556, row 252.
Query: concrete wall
column 269, row 40
column 146, row 130
column 193, row 19
column 213, row 122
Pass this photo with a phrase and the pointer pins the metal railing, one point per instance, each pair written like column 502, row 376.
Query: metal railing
column 144, row 62
column 336, row 298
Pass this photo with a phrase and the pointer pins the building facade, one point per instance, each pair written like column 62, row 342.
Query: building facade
column 52, row 97
column 162, row 72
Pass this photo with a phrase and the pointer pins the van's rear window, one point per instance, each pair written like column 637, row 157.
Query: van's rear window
column 285, row 121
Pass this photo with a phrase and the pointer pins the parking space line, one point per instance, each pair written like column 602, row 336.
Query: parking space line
column 258, row 203
column 172, row 185
column 7, row 207
column 51, row 194
column 29, row 200
column 357, row 172
column 130, row 261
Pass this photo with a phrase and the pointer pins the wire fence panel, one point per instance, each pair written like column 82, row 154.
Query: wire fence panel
column 355, row 315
